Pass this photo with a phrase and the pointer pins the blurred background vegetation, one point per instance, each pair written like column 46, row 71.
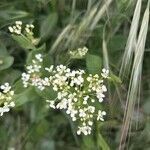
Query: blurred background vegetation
column 115, row 33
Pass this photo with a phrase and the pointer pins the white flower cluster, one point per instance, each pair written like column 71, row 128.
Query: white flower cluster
column 17, row 28
column 32, row 76
column 77, row 93
column 6, row 101
column 29, row 28
column 80, row 52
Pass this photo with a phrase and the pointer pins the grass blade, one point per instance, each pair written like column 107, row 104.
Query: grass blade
column 135, row 80
column 131, row 42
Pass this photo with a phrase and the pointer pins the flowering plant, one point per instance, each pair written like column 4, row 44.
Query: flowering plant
column 6, row 98
column 77, row 92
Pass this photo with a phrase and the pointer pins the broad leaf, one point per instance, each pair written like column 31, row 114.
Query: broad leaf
column 93, row 63
column 6, row 62
column 23, row 42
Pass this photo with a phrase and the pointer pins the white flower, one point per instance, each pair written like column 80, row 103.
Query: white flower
column 46, row 82
column 39, row 57
column 100, row 115
column 100, row 96
column 27, row 30
column 3, row 110
column 90, row 123
column 62, row 104
column 76, row 92
column 16, row 28
column 82, row 113
column 36, row 68
column 105, row 73
column 84, row 129
column 6, row 97
column 6, row 88
column 104, row 89
column 91, row 109
column 50, row 69
column 12, row 104
column 51, row 103
column 11, row 29
column 89, row 78
column 31, row 26
column 18, row 22
column 79, row 53
column 25, row 76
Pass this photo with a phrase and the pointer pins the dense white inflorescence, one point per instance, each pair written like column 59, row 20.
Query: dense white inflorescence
column 32, row 76
column 18, row 29
column 80, row 52
column 6, row 101
column 77, row 93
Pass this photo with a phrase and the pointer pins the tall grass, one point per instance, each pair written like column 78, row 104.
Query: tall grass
column 131, row 42
column 76, row 34
column 135, row 78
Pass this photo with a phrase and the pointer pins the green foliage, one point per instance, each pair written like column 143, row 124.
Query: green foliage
column 48, row 25
column 102, row 143
column 115, row 35
column 93, row 63
column 6, row 62
column 23, row 42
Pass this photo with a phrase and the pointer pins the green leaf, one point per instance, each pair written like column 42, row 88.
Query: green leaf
column 31, row 54
column 102, row 143
column 10, row 75
column 48, row 60
column 3, row 50
column 48, row 25
column 115, row 79
column 42, row 48
column 23, row 42
column 47, row 93
column 26, row 96
column 146, row 107
column 88, row 143
column 6, row 62
column 13, row 14
column 93, row 63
